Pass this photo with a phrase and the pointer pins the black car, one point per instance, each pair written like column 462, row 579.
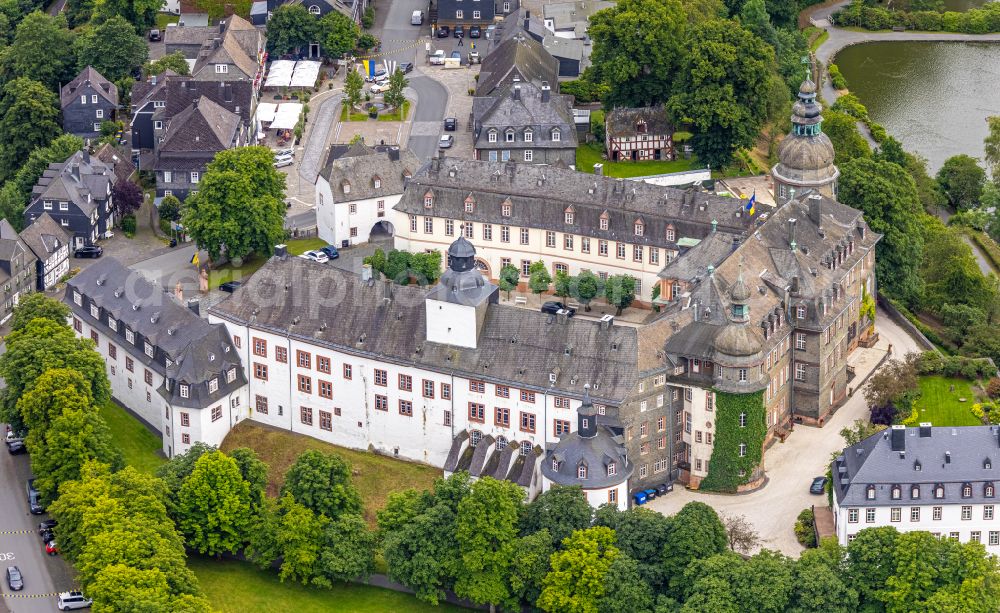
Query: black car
column 330, row 251
column 443, row 31
column 16, row 447
column 34, row 499
column 48, row 524
column 14, row 578
column 231, row 286
column 450, row 124
column 552, row 306
column 406, row 67
column 47, row 536
column 459, row 31
column 475, row 32
column 154, row 35
column 818, row 486
column 89, row 251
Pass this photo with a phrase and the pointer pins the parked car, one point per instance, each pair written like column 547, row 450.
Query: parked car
column 379, row 88
column 16, row 447
column 51, row 548
column 287, row 152
column 437, row 58
column 456, row 55
column 231, row 286
column 315, row 256
column 154, row 35
column 283, row 161
column 47, row 536
column 475, row 58
column 417, row 18
column 331, row 252
column 475, row 32
column 406, row 67
column 14, row 579
column 73, row 600
column 459, row 31
column 89, row 251
column 380, row 74
column 818, row 486
column 443, row 31
column 450, row 124
column 554, row 306
column 47, row 524
column 34, row 499
column 446, row 141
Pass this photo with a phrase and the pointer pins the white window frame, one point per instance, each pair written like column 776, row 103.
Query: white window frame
column 529, row 155
column 185, row 390
column 221, row 68
column 195, row 176
column 491, row 136
column 168, row 176
column 100, row 113
column 556, row 135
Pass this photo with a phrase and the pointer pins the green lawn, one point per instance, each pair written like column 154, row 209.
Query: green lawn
column 226, row 273
column 162, row 19
column 141, row 448
column 238, row 587
column 374, row 475
column 359, row 116
column 589, row 154
column 396, row 116
column 940, row 406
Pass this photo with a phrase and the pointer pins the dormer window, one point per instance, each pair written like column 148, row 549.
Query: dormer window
column 987, row 464
column 149, row 349
column 185, row 390
column 529, row 136
column 915, row 492
column 800, row 312
column 345, row 186
column 640, row 127
column 896, row 492
column 639, row 228
column 605, row 222
column 966, row 491
column 612, row 470
column 313, row 9
column 988, row 491
column 213, row 385
column 428, row 200
column 129, row 336
column 230, row 375
column 376, row 182
column 470, row 204
column 870, row 493
column 95, row 312
column 581, row 471
column 569, row 217
column 78, row 298
column 939, row 491
column 556, row 135
column 112, row 323
column 491, row 136
column 509, row 136
column 671, row 233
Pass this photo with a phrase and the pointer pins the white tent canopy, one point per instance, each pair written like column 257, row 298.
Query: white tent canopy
column 280, row 73
column 266, row 112
column 305, row 74
column 287, row 116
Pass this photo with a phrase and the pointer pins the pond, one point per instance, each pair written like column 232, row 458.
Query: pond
column 932, row 96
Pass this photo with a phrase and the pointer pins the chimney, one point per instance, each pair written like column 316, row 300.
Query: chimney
column 598, row 169
column 898, row 438
column 562, row 316
column 75, row 171
column 195, row 306
column 387, row 290
column 179, row 292
column 715, row 225
column 816, row 209
column 281, row 251
column 925, row 429
column 546, row 91
column 86, row 156
column 607, row 321
column 152, row 79
column 366, row 273
column 791, row 233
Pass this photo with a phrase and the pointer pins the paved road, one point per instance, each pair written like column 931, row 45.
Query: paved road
column 790, row 467
column 171, row 267
column 44, row 575
column 315, row 147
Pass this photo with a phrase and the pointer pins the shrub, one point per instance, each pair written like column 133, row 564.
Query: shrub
column 837, row 79
column 993, row 388
column 170, row 208
column 805, row 528
column 128, row 225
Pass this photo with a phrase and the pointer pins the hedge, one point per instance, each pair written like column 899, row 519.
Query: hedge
column 984, row 20
column 933, row 363
column 726, row 463
column 837, row 79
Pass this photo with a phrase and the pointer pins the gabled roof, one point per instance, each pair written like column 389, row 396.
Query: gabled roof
column 359, row 165
column 11, row 244
column 623, row 121
column 181, row 92
column 502, row 110
column 122, row 164
column 88, row 76
column 238, row 47
column 202, row 127
column 80, row 176
column 151, row 89
column 44, row 236
column 519, row 56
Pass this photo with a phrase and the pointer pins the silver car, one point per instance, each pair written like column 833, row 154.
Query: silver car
column 446, row 141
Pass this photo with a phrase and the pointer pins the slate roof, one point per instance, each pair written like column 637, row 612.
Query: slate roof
column 189, row 35
column 694, row 262
column 44, row 236
column 359, row 165
column 202, row 127
column 198, row 351
column 574, row 15
column 333, row 308
column 106, row 89
column 81, row 174
column 622, row 121
column 123, row 166
column 974, row 459
column 10, row 243
column 520, row 20
column 238, row 47
column 540, row 196
column 502, row 110
column 569, row 48
column 182, row 92
column 519, row 56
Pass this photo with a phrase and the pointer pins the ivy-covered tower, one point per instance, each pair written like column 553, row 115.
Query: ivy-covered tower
column 805, row 156
column 740, row 380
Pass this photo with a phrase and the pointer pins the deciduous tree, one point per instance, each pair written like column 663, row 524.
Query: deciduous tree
column 962, row 179
column 539, row 278
column 348, row 550
column 870, row 562
column 393, row 96
column 127, row 197
column 112, row 48
column 29, row 120
column 991, row 144
column 642, row 535
column 322, row 482
column 39, row 31
column 530, row 565
column 619, row 291
column 509, row 278
column 140, row 14
column 290, row 28
column 819, row 586
column 254, row 472
column 561, row 284
column 353, row 84
column 339, row 34
column 73, row 438
column 576, row 582
column 625, row 589
column 559, row 510
column 585, row 287
column 38, row 306
column 741, row 534
column 843, row 132
column 213, row 505
column 891, row 383
column 172, row 61
column 239, row 204
column 695, row 533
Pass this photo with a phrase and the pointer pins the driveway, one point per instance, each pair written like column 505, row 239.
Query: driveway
column 44, row 576
column 790, row 467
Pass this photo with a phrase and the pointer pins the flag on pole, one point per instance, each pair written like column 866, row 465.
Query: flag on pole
column 752, row 203
column 194, row 258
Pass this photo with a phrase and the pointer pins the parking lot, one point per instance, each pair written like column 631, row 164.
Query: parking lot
column 44, row 575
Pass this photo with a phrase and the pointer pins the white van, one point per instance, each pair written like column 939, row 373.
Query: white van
column 417, row 19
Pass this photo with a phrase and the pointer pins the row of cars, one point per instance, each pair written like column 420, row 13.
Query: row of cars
column 459, row 31
column 321, row 255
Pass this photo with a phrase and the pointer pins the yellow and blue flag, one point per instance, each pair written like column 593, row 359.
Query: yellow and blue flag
column 194, row 258
column 751, row 204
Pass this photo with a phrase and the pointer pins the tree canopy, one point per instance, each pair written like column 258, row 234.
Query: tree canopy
column 322, row 482
column 962, row 179
column 112, row 48
column 290, row 28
